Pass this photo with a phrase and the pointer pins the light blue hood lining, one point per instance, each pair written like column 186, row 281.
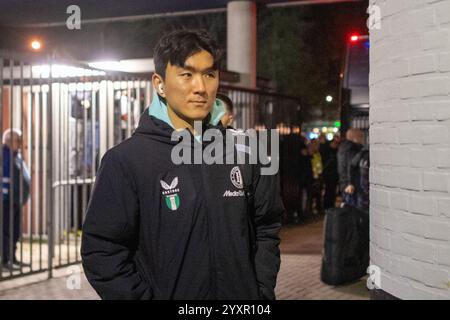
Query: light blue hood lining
column 158, row 109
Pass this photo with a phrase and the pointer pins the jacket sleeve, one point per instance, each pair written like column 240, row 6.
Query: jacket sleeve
column 343, row 169
column 21, row 171
column 268, row 213
column 110, row 235
column 354, row 167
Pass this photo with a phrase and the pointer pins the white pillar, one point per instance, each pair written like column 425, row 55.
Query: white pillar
column 241, row 40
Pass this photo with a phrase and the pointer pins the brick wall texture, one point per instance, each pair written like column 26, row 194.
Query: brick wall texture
column 410, row 148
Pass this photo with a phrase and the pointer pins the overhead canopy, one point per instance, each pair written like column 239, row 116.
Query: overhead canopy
column 42, row 12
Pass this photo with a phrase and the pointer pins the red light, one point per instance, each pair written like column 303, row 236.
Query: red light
column 354, row 38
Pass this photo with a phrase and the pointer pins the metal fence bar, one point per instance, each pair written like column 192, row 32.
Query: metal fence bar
column 11, row 172
column 31, row 156
column 68, row 188
column 51, row 176
column 93, row 130
column 59, row 166
column 38, row 166
column 21, row 170
column 1, row 171
column 85, row 149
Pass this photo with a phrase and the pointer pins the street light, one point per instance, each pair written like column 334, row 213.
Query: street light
column 329, row 98
column 36, row 45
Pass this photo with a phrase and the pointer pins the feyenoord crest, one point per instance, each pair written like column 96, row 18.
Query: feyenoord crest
column 236, row 178
column 171, row 194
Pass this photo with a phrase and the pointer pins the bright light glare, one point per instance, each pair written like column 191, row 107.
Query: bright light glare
column 313, row 135
column 35, row 44
column 62, row 71
column 107, row 65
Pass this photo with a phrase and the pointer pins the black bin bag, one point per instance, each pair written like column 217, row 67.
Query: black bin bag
column 346, row 245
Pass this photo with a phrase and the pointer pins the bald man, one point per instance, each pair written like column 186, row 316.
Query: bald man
column 347, row 151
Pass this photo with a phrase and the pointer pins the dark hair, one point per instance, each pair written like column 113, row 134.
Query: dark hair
column 177, row 46
column 227, row 100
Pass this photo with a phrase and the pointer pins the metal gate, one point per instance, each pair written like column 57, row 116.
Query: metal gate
column 66, row 117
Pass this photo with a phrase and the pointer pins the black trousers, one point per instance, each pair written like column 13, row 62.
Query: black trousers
column 10, row 240
column 329, row 198
column 313, row 192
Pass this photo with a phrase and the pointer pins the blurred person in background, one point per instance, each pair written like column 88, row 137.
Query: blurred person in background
column 317, row 169
column 330, row 175
column 348, row 149
column 359, row 177
column 12, row 172
column 228, row 118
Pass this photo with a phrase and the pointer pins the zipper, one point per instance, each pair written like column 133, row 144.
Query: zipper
column 211, row 240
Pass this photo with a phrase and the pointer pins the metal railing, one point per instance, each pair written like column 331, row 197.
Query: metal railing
column 68, row 116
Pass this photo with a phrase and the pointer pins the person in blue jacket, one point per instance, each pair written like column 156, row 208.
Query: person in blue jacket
column 13, row 200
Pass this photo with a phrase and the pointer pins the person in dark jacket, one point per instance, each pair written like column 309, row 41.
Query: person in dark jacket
column 16, row 191
column 159, row 230
column 346, row 152
column 228, row 118
column 306, row 180
column 330, row 174
column 315, row 189
column 359, row 175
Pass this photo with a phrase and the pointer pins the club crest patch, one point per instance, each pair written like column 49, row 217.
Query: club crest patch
column 236, row 178
column 170, row 193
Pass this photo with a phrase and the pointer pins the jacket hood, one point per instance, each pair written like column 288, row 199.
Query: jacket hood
column 155, row 121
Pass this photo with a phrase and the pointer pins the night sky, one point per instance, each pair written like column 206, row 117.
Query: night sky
column 16, row 12
column 299, row 48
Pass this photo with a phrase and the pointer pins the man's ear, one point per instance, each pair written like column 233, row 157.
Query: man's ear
column 158, row 83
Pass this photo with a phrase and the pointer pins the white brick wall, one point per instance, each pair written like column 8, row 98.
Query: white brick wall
column 410, row 148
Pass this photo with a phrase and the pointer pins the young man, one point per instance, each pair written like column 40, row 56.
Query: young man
column 157, row 230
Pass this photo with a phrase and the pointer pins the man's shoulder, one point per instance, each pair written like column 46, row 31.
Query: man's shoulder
column 123, row 148
column 134, row 145
column 124, row 151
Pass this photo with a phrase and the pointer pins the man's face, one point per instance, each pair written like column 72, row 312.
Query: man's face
column 191, row 90
column 14, row 142
column 359, row 137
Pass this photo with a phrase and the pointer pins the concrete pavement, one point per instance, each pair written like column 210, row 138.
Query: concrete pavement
column 299, row 277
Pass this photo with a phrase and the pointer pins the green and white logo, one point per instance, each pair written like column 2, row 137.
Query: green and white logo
column 173, row 202
column 171, row 194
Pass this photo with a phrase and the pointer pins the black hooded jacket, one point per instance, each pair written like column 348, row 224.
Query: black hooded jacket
column 359, row 172
column 156, row 230
column 346, row 152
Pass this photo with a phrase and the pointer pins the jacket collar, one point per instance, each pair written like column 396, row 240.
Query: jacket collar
column 158, row 109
